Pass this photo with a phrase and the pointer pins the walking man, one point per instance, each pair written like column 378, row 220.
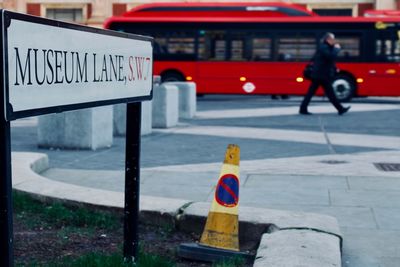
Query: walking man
column 324, row 70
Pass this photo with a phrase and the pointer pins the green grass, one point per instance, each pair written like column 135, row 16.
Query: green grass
column 116, row 260
column 36, row 213
column 113, row 260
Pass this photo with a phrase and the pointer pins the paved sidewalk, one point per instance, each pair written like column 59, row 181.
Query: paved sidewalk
column 322, row 163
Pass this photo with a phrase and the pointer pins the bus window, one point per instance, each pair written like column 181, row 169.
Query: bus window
column 350, row 47
column 237, row 51
column 387, row 47
column 173, row 44
column 212, row 45
column 296, row 48
column 260, row 48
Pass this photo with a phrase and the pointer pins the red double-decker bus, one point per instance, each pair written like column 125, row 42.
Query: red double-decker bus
column 246, row 49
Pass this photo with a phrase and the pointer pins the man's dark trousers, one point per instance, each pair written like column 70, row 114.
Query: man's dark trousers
column 328, row 89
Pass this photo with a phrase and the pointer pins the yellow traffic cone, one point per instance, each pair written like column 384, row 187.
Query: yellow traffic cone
column 220, row 238
column 222, row 226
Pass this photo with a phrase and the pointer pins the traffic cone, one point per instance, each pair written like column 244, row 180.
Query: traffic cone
column 220, row 238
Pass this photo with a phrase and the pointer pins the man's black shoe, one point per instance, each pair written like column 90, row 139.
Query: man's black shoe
column 344, row 110
column 305, row 112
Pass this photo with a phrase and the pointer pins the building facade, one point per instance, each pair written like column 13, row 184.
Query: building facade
column 94, row 12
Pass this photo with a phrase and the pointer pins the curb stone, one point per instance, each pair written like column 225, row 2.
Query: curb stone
column 287, row 238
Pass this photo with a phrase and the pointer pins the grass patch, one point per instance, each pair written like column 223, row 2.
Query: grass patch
column 52, row 234
column 101, row 260
column 38, row 214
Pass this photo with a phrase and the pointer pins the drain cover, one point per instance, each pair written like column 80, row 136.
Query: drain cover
column 388, row 167
column 333, row 161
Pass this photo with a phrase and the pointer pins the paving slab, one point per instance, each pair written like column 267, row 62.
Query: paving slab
column 194, row 193
column 361, row 217
column 388, row 218
column 363, row 198
column 374, row 183
column 372, row 245
column 289, row 196
column 296, row 181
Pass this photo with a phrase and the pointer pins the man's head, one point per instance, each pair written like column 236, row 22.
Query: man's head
column 329, row 38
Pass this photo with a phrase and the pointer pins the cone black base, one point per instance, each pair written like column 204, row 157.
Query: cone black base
column 199, row 252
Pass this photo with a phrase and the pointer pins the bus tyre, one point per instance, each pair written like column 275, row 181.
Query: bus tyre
column 172, row 77
column 344, row 87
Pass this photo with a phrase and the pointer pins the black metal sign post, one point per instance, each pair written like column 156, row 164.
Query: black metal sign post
column 132, row 181
column 111, row 68
column 6, row 220
column 6, row 223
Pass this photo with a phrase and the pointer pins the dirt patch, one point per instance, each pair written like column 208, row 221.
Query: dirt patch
column 43, row 245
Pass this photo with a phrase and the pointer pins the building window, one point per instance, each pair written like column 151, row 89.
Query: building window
column 33, row 9
column 65, row 14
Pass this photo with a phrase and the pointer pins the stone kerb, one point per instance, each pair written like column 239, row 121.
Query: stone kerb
column 288, row 248
column 82, row 129
column 187, row 99
column 165, row 106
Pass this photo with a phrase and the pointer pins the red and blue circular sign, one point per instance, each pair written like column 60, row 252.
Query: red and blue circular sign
column 227, row 192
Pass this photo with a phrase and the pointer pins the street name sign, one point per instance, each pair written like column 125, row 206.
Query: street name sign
column 51, row 66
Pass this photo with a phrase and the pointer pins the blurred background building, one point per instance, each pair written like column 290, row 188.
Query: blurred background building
column 94, row 12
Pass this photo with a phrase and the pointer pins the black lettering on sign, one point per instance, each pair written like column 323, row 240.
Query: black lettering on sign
column 58, row 63
column 49, row 63
column 18, row 67
column 81, row 69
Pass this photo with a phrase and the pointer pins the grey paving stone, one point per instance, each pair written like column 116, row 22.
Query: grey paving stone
column 364, row 198
column 363, row 246
column 107, row 180
column 389, row 261
column 347, row 216
column 191, row 193
column 388, row 218
column 178, row 178
column 283, row 196
column 296, row 181
column 374, row 183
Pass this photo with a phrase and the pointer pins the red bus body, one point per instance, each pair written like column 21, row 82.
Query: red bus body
column 219, row 9
column 274, row 77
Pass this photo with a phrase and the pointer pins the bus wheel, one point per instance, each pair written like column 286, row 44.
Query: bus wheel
column 344, row 87
column 172, row 76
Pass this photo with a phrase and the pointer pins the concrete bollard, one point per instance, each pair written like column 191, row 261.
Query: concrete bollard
column 83, row 129
column 120, row 115
column 165, row 106
column 120, row 119
column 156, row 80
column 187, row 99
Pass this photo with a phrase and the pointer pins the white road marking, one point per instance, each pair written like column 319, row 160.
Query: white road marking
column 344, row 139
column 284, row 111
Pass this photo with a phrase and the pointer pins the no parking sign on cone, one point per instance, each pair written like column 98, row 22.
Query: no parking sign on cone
column 220, row 238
